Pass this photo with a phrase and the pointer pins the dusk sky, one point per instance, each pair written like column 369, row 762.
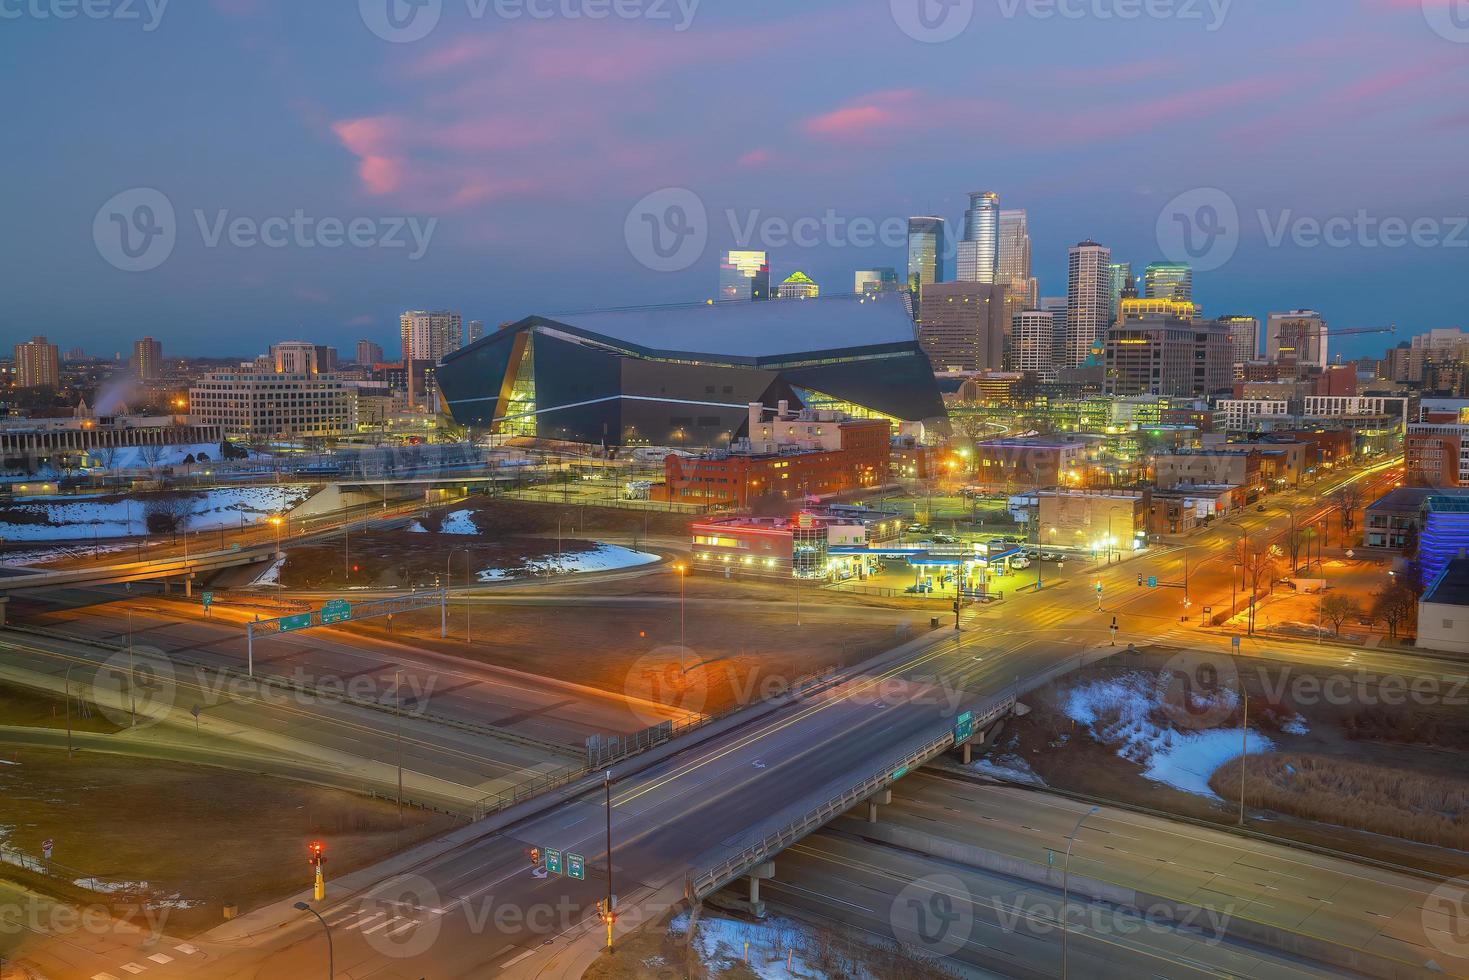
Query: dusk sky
column 529, row 141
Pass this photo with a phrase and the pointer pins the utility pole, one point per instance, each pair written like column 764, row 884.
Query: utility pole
column 1244, row 751
column 611, row 913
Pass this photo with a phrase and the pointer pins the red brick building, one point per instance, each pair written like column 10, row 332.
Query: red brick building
column 736, row 479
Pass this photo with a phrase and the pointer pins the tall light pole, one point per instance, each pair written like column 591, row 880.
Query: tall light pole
column 1244, row 751
column 468, row 573
column 682, row 618
column 611, row 915
column 1066, row 884
column 331, row 960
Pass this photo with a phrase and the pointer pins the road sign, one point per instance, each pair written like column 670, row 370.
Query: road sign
column 900, row 772
column 336, row 611
column 553, row 861
column 208, row 598
column 1152, row 581
column 299, row 622
column 964, row 728
column 1234, row 642
column 46, row 846
column 576, row 866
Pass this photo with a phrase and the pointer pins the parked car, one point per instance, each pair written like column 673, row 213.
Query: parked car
column 1047, row 556
column 1019, row 561
column 918, row 529
column 945, row 539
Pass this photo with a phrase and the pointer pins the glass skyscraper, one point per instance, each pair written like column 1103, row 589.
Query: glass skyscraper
column 744, row 276
column 1087, row 297
column 1121, row 279
column 979, row 252
column 883, row 279
column 926, row 246
column 1169, row 280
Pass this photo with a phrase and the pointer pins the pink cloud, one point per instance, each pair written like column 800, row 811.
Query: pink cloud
column 755, row 158
column 867, row 118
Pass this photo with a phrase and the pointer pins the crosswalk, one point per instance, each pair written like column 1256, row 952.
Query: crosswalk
column 141, row 965
column 391, row 919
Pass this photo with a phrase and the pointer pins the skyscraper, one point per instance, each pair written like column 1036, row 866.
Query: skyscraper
column 1244, row 337
column 744, row 275
column 1167, row 354
column 960, row 325
column 883, row 279
column 1013, row 259
column 428, row 336
column 1056, row 307
column 1088, row 295
column 1168, row 280
column 979, row 252
column 1121, row 273
column 369, row 353
column 147, row 359
column 1034, row 334
column 476, row 330
column 797, row 285
column 37, row 364
column 1297, row 338
column 926, row 245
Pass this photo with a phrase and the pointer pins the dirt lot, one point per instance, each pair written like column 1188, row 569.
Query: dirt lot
column 25, row 708
column 744, row 634
column 1339, row 742
column 137, row 827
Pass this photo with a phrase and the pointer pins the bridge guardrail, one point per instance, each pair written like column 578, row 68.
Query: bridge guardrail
column 705, row 883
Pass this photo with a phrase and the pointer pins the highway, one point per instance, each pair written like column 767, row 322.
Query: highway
column 853, row 869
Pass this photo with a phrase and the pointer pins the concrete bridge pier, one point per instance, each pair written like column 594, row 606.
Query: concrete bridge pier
column 189, row 586
column 880, row 798
column 765, row 870
column 4, row 601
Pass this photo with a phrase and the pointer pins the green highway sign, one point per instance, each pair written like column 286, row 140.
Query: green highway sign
column 553, row 861
column 964, row 728
column 336, row 611
column 1152, row 581
column 576, row 866
column 900, row 772
column 208, row 598
column 298, row 622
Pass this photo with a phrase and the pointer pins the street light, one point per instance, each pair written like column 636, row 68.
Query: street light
column 682, row 619
column 1066, row 884
column 468, row 573
column 331, row 959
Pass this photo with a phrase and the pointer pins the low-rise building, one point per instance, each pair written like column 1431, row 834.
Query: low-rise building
column 266, row 405
column 1031, row 461
column 1092, row 520
column 1180, row 511
column 785, row 547
column 1239, row 467
column 1438, row 455
column 1443, row 612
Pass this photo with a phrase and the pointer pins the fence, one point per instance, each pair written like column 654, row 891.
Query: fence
column 705, row 883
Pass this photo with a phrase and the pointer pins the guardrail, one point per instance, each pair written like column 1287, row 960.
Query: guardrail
column 705, row 883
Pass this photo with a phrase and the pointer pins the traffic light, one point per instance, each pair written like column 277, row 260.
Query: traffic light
column 318, row 854
column 1139, row 579
column 535, row 857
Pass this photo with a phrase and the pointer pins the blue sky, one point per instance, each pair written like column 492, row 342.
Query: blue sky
column 523, row 142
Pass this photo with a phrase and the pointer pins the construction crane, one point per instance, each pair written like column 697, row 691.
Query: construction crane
column 1295, row 333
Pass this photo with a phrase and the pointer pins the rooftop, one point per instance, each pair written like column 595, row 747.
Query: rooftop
column 1451, row 588
column 762, row 329
column 1410, row 498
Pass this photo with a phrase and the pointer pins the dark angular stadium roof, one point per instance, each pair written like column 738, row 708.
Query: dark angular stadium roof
column 1452, row 586
column 752, row 331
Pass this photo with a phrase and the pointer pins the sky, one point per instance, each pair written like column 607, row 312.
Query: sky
column 222, row 174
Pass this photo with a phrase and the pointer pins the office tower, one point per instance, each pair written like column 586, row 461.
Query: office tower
column 960, row 325
column 1168, row 355
column 369, row 353
column 979, row 252
column 1012, row 270
column 476, row 330
column 1168, row 280
column 37, row 364
column 883, row 279
column 1121, row 273
column 744, row 275
column 428, row 336
column 76, row 354
column 299, row 357
column 1088, row 296
column 147, row 359
column 1297, row 338
column 926, row 245
column 797, row 285
column 1034, row 333
column 1056, row 306
column 1244, row 337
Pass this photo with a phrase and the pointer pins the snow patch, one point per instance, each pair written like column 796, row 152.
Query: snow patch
column 602, row 558
column 415, row 527
column 1125, row 712
column 459, row 522
column 81, row 517
column 153, row 457
column 774, row 943
column 42, row 556
column 1009, row 767
column 272, row 575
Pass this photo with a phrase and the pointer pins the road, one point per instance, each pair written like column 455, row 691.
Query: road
column 838, row 873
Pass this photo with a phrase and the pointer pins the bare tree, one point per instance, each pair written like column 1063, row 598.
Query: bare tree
column 167, row 513
column 1295, row 537
column 151, row 455
column 1337, row 609
column 1348, row 500
column 1395, row 605
column 1260, row 565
